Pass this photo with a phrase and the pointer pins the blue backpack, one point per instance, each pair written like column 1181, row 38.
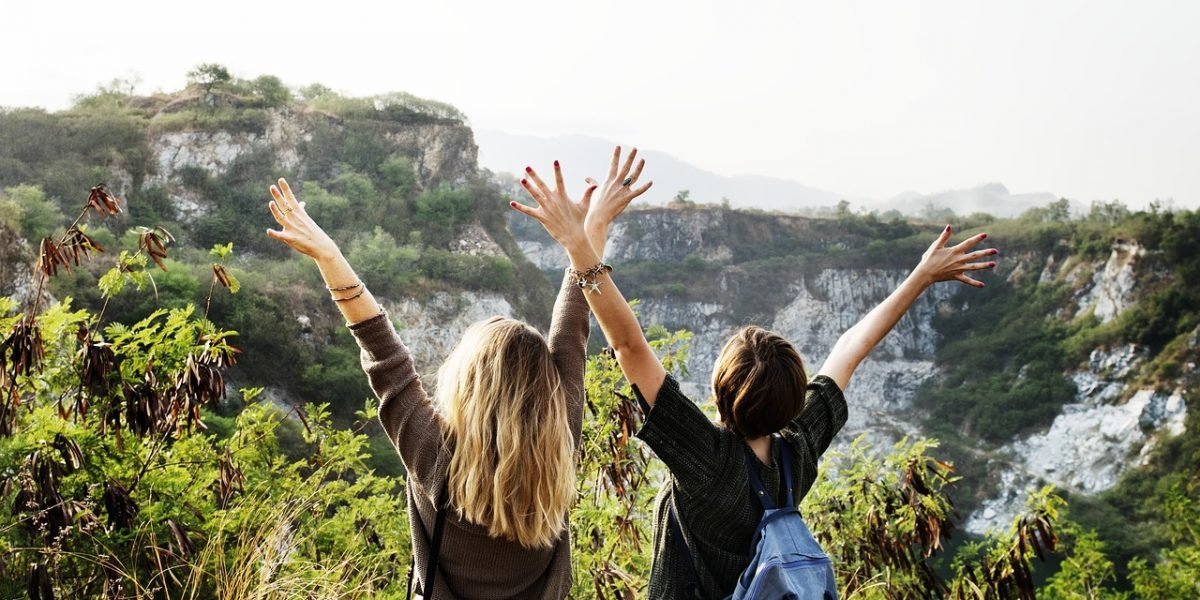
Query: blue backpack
column 787, row 562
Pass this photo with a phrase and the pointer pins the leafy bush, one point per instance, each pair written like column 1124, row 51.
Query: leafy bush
column 30, row 212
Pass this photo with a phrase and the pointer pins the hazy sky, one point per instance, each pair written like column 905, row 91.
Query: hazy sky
column 1091, row 100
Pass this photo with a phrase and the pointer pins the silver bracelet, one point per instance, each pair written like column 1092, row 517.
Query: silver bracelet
column 589, row 280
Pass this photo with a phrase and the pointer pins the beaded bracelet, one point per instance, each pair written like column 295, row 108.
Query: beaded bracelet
column 588, row 280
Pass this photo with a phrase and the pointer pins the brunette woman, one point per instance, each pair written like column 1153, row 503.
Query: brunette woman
column 760, row 387
column 497, row 443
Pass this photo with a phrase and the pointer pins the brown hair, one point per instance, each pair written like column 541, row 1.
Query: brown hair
column 758, row 382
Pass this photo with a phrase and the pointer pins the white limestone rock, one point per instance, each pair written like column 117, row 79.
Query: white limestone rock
column 432, row 326
column 475, row 241
column 1111, row 289
column 668, row 236
column 1087, row 447
column 546, row 256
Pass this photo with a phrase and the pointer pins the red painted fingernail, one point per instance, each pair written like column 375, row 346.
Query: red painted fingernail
column 991, row 264
column 983, row 236
column 947, row 229
column 556, row 163
column 512, row 203
column 523, row 182
column 528, row 169
column 994, row 251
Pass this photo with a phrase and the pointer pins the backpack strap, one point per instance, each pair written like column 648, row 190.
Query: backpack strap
column 760, row 491
column 788, row 482
column 435, row 547
column 676, row 531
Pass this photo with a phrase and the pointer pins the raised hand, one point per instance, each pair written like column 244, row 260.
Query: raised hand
column 616, row 193
column 940, row 263
column 562, row 217
column 299, row 230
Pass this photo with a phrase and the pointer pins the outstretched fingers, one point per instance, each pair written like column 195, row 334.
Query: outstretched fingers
column 638, row 191
column 970, row 242
column 530, row 211
column 978, row 254
column 637, row 171
column 289, row 199
column 967, row 279
column 558, row 178
column 537, row 182
column 616, row 160
column 280, row 216
column 942, row 239
column 533, row 192
column 978, row 266
column 628, row 165
column 586, row 200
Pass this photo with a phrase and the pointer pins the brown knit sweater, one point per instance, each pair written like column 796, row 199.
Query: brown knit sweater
column 471, row 564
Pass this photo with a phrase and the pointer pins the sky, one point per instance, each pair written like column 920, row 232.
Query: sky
column 1095, row 100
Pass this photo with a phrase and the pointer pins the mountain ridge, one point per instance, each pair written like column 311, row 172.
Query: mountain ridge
column 502, row 152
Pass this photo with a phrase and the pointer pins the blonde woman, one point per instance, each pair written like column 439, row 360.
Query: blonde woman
column 764, row 397
column 497, row 443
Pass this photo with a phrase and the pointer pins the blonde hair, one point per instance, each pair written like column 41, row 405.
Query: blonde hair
column 513, row 456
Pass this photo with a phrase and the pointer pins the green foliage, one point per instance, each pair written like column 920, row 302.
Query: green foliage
column 1085, row 572
column 611, row 522
column 1013, row 393
column 209, row 76
column 441, row 211
column 270, row 91
column 1001, row 566
column 112, row 487
column 392, row 267
column 883, row 518
column 26, row 209
column 66, row 153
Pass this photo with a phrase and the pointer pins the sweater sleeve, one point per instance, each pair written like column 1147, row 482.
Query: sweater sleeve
column 569, row 329
column 823, row 416
column 405, row 412
column 682, row 436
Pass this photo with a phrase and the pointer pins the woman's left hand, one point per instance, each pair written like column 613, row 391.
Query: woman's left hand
column 562, row 217
column 616, row 193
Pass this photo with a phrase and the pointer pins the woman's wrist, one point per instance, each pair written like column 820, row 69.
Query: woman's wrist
column 921, row 277
column 582, row 256
column 597, row 235
column 328, row 256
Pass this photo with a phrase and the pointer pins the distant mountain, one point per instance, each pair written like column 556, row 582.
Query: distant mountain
column 582, row 156
column 991, row 198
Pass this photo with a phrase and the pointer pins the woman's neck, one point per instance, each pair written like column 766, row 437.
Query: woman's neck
column 761, row 447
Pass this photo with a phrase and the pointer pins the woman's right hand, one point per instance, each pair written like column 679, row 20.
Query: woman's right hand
column 562, row 217
column 942, row 263
column 299, row 230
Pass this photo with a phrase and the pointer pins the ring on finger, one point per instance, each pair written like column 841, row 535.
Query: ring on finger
column 628, row 180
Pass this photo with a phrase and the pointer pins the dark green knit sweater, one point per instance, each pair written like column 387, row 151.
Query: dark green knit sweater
column 709, row 487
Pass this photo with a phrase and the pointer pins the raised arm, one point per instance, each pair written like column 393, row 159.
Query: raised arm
column 568, row 223
column 306, row 237
column 939, row 263
column 404, row 408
